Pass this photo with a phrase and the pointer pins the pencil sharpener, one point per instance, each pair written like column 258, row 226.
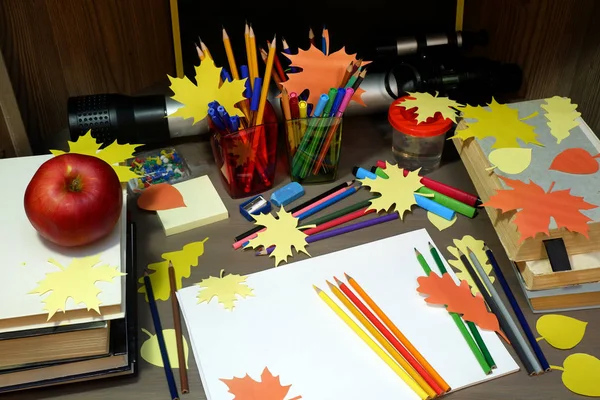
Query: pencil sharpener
column 254, row 206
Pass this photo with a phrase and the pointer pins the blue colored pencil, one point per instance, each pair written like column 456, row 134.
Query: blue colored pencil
column 329, row 202
column 161, row 339
column 515, row 306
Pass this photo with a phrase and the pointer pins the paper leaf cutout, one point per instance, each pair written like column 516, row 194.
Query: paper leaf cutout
column 195, row 97
column 269, row 387
column 476, row 246
column 282, row 232
column 560, row 115
column 561, row 331
column 161, row 196
column 535, row 207
column 398, row 190
column 225, row 288
column 183, row 260
column 428, row 105
column 76, row 281
column 150, row 351
column 439, row 222
column 575, row 161
column 510, row 160
column 243, row 152
column 319, row 72
column 113, row 154
column 458, row 299
column 500, row 122
column 580, row 374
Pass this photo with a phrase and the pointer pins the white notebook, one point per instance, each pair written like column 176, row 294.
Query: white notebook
column 287, row 328
column 24, row 259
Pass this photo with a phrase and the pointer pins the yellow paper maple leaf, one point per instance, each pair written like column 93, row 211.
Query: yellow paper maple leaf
column 476, row 247
column 561, row 116
column 113, row 154
column 283, row 233
column 320, row 72
column 225, row 288
column 183, row 260
column 76, row 281
column 428, row 105
column 397, row 190
column 500, row 122
column 195, row 97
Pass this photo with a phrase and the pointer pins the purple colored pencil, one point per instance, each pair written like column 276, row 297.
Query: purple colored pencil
column 344, row 229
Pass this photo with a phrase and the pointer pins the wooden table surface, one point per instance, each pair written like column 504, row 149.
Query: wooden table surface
column 365, row 141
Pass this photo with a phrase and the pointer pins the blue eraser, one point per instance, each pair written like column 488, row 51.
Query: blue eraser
column 290, row 192
column 256, row 205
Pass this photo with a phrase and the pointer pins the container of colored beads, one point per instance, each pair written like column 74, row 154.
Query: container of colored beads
column 157, row 166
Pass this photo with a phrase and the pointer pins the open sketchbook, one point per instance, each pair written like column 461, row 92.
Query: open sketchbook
column 288, row 329
column 24, row 258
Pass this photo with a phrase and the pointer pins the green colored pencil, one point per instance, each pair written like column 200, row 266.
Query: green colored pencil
column 340, row 213
column 459, row 322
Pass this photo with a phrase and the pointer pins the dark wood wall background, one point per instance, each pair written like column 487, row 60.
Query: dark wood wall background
column 54, row 49
column 556, row 42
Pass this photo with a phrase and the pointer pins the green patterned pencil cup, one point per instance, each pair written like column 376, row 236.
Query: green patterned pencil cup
column 313, row 147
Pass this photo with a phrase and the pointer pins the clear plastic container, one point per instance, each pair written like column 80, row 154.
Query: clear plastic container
column 157, row 166
column 417, row 145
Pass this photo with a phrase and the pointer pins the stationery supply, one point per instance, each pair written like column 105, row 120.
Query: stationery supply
column 158, row 166
column 185, row 388
column 356, row 365
column 287, row 194
column 253, row 206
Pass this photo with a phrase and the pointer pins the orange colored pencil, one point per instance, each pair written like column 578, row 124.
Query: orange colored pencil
column 403, row 339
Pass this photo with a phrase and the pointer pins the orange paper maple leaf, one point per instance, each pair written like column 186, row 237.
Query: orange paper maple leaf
column 320, row 72
column 535, row 207
column 269, row 388
column 458, row 299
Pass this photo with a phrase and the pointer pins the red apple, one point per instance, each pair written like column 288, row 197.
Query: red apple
column 74, row 199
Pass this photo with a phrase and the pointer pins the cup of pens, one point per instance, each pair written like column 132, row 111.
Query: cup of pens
column 313, row 140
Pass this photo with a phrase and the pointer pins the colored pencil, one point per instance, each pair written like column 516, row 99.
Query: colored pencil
column 311, row 36
column 160, row 337
column 278, row 67
column 230, row 56
column 410, row 364
column 480, row 350
column 517, row 310
column 346, row 76
column 325, row 38
column 350, row 191
column 205, row 49
column 299, row 214
column 520, row 345
column 200, row 53
column 274, row 74
column 341, row 213
column 185, row 388
column 441, row 383
column 359, row 79
column 372, row 344
column 383, row 341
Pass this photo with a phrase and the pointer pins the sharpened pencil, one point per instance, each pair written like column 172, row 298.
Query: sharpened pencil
column 183, row 377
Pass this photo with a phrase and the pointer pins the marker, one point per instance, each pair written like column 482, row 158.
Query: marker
column 303, row 106
column 248, row 91
column 216, row 119
column 321, row 105
column 347, row 97
column 256, row 94
column 338, row 101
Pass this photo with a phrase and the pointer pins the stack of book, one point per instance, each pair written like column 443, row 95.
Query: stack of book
column 546, row 287
column 74, row 345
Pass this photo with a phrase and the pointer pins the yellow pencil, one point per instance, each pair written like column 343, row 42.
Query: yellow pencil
column 382, row 341
column 266, row 82
column 254, row 54
column 230, row 57
column 248, row 54
column 205, row 50
column 201, row 55
column 371, row 343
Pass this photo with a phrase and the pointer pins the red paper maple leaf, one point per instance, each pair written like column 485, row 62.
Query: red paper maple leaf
column 320, row 72
column 269, row 388
column 535, row 207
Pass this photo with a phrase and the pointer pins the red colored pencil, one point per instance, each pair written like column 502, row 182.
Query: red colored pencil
column 390, row 337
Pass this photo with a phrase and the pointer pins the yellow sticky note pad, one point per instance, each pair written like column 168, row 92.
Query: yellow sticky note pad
column 204, row 206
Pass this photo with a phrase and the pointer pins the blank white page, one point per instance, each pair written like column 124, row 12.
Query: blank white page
column 289, row 329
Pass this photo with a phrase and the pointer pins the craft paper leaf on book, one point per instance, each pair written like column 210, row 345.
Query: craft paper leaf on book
column 224, row 288
column 458, row 299
column 560, row 115
column 76, row 281
column 398, row 190
column 575, row 161
column 476, row 246
column 195, row 97
column 150, row 351
column 319, row 72
column 283, row 233
column 561, row 331
column 580, row 374
column 439, row 222
column 500, row 122
column 428, row 105
column 268, row 388
column 535, row 207
column 161, row 196
column 510, row 160
column 183, row 260
column 113, row 154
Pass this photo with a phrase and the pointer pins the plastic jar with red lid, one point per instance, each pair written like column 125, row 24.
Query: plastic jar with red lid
column 417, row 145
